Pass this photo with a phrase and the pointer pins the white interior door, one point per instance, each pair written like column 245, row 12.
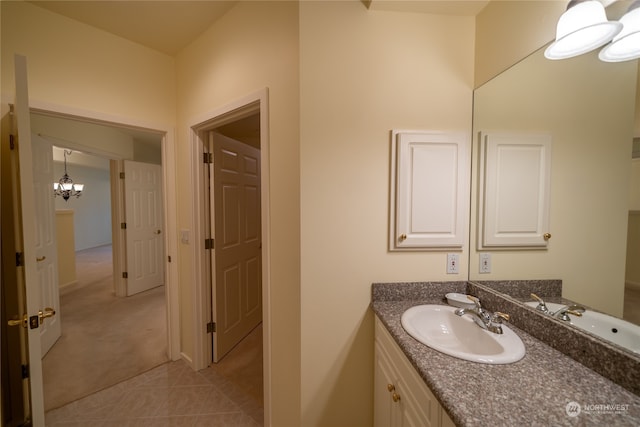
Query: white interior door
column 25, row 236
column 143, row 213
column 237, row 293
column 45, row 233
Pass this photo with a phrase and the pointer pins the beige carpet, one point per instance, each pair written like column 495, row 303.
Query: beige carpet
column 105, row 339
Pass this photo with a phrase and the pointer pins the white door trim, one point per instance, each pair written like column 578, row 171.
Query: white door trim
column 254, row 102
column 169, row 199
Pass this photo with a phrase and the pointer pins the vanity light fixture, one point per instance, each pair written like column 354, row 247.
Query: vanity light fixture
column 626, row 45
column 66, row 187
column 582, row 28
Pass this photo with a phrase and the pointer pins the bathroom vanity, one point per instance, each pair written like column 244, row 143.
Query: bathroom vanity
column 417, row 385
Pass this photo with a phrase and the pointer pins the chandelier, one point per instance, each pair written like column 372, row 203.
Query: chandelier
column 66, row 187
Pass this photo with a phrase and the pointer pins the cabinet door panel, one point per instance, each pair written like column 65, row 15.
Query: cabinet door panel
column 383, row 414
column 515, row 175
column 430, row 186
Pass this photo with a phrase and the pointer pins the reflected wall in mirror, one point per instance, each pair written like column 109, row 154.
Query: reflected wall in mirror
column 588, row 107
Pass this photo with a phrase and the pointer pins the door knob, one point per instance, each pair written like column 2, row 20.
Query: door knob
column 14, row 322
column 47, row 312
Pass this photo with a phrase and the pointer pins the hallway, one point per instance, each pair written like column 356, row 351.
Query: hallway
column 110, row 368
column 105, row 339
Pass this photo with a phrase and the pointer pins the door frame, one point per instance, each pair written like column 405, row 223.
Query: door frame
column 169, row 198
column 201, row 300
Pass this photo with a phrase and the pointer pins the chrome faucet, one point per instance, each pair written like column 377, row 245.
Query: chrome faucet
column 490, row 321
column 573, row 309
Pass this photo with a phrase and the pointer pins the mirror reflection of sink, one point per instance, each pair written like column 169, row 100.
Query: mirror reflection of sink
column 610, row 328
column 438, row 327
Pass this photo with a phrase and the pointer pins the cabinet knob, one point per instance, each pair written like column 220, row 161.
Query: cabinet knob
column 391, row 387
column 395, row 397
column 546, row 236
column 402, row 237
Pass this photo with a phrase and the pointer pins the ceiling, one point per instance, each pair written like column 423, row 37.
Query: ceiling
column 170, row 25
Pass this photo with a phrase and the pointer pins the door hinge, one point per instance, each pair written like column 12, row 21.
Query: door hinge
column 211, row 327
column 25, row 371
column 207, row 158
column 125, row 275
column 121, row 175
column 19, row 259
column 123, row 225
column 169, row 258
column 208, row 243
column 12, row 141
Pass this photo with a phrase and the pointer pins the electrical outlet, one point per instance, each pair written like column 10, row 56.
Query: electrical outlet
column 485, row 262
column 453, row 260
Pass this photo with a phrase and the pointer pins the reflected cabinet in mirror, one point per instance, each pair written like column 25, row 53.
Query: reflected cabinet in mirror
column 588, row 108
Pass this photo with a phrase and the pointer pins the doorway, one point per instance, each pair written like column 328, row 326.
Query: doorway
column 245, row 121
column 105, row 338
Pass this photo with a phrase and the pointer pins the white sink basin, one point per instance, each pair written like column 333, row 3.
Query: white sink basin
column 610, row 328
column 438, row 327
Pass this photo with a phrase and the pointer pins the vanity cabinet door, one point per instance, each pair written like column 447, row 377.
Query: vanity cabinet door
column 401, row 397
column 386, row 411
column 429, row 190
column 515, row 172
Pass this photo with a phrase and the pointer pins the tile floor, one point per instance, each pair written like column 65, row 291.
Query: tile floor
column 169, row 395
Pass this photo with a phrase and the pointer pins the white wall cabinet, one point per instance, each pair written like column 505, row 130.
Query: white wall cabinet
column 401, row 398
column 429, row 190
column 515, row 179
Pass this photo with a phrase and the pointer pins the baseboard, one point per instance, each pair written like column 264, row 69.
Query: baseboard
column 187, row 359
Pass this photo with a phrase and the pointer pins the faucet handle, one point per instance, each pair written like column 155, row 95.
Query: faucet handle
column 475, row 300
column 499, row 316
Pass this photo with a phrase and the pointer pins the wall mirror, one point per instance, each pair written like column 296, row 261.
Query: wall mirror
column 589, row 109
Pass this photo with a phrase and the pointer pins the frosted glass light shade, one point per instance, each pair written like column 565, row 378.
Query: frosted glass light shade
column 582, row 28
column 626, row 45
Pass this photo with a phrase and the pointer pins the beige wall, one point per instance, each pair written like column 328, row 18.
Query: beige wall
column 507, row 31
column 66, row 251
column 363, row 73
column 255, row 45
column 78, row 66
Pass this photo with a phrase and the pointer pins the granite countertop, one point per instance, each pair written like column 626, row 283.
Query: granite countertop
column 534, row 391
